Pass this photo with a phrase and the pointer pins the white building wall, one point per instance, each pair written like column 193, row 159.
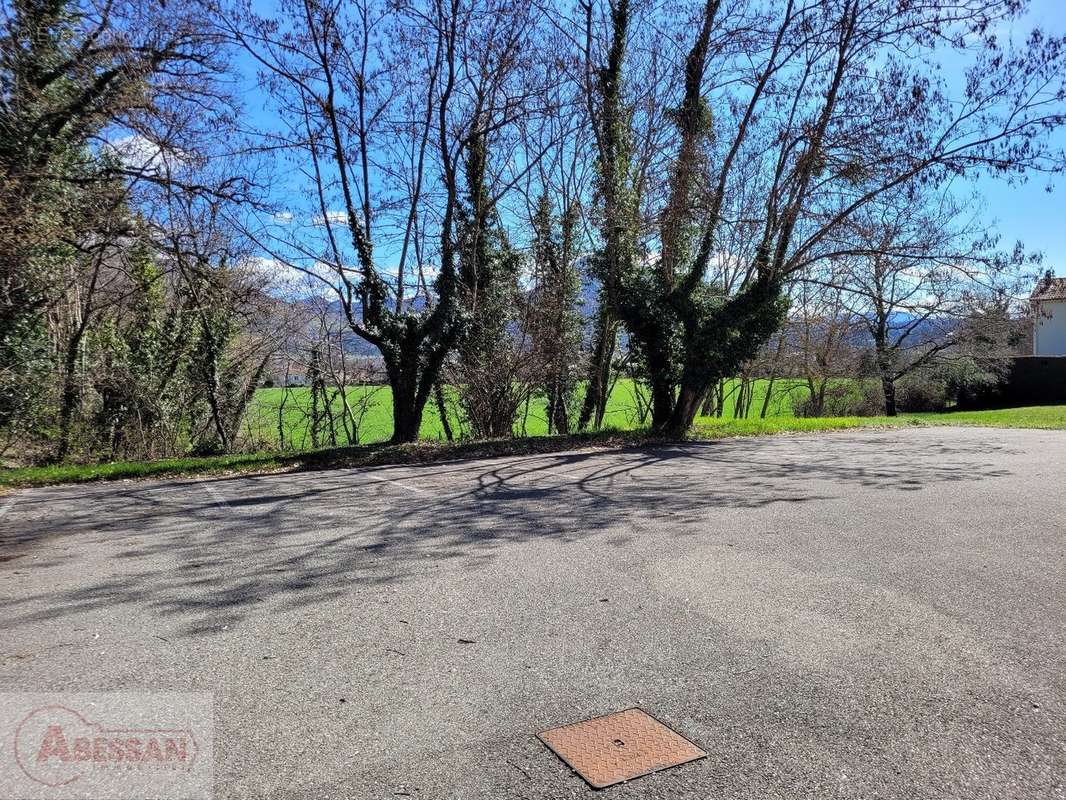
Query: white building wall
column 1049, row 338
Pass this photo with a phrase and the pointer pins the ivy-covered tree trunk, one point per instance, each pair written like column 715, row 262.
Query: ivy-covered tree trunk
column 660, row 380
column 556, row 324
column 488, row 366
column 717, row 344
column 442, row 410
column 406, row 410
column 599, row 375
column 70, row 393
column 413, row 349
column 885, row 354
column 690, row 333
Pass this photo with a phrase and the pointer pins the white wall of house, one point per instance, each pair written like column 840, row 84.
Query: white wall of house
column 1049, row 336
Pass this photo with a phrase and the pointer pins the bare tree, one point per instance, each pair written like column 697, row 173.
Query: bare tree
column 823, row 346
column 918, row 268
column 359, row 89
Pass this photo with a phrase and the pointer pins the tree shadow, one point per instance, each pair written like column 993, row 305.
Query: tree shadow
column 205, row 555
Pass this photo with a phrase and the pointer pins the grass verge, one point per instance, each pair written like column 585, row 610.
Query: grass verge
column 1043, row 417
column 711, row 428
column 277, row 414
column 380, row 454
column 330, row 458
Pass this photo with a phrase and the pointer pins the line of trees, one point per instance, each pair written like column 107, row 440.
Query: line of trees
column 498, row 202
column 128, row 325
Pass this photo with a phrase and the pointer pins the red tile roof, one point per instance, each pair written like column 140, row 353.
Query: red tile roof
column 1048, row 288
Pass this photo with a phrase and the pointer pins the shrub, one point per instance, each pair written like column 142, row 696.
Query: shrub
column 843, row 398
column 943, row 384
column 921, row 392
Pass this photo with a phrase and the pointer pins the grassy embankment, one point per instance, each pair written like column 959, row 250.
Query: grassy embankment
column 622, row 422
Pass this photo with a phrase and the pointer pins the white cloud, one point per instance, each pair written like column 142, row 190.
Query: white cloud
column 277, row 274
column 335, row 217
column 283, row 217
column 282, row 279
column 143, row 155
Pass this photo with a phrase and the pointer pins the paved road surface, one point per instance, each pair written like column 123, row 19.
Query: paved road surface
column 852, row 615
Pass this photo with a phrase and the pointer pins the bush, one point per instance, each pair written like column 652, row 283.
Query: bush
column 921, row 393
column 844, row 398
column 944, row 383
column 207, row 447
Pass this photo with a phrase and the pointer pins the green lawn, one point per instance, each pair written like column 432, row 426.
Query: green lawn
column 1047, row 417
column 710, row 428
column 371, row 414
column 372, row 409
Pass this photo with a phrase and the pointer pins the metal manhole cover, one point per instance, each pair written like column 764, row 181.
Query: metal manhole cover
column 619, row 747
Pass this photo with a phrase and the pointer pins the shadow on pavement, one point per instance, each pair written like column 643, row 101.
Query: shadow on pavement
column 207, row 554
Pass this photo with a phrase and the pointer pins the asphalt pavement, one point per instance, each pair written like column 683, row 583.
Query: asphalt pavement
column 870, row 614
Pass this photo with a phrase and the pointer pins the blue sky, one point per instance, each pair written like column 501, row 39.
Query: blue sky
column 1028, row 212
column 1025, row 212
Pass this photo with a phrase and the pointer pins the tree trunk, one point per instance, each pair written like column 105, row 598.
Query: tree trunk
column 315, row 417
column 281, row 413
column 552, row 399
column 413, row 370
column 331, row 419
column 406, row 418
column 773, row 376
column 217, row 420
column 442, row 410
column 70, row 393
column 885, row 364
column 599, row 370
column 662, row 398
column 69, row 397
column 558, row 413
column 406, row 410
column 708, row 407
column 740, row 407
column 562, row 414
column 766, row 397
column 888, row 386
column 684, row 411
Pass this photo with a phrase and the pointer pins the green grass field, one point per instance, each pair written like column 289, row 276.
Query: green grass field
column 282, row 417
column 371, row 416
